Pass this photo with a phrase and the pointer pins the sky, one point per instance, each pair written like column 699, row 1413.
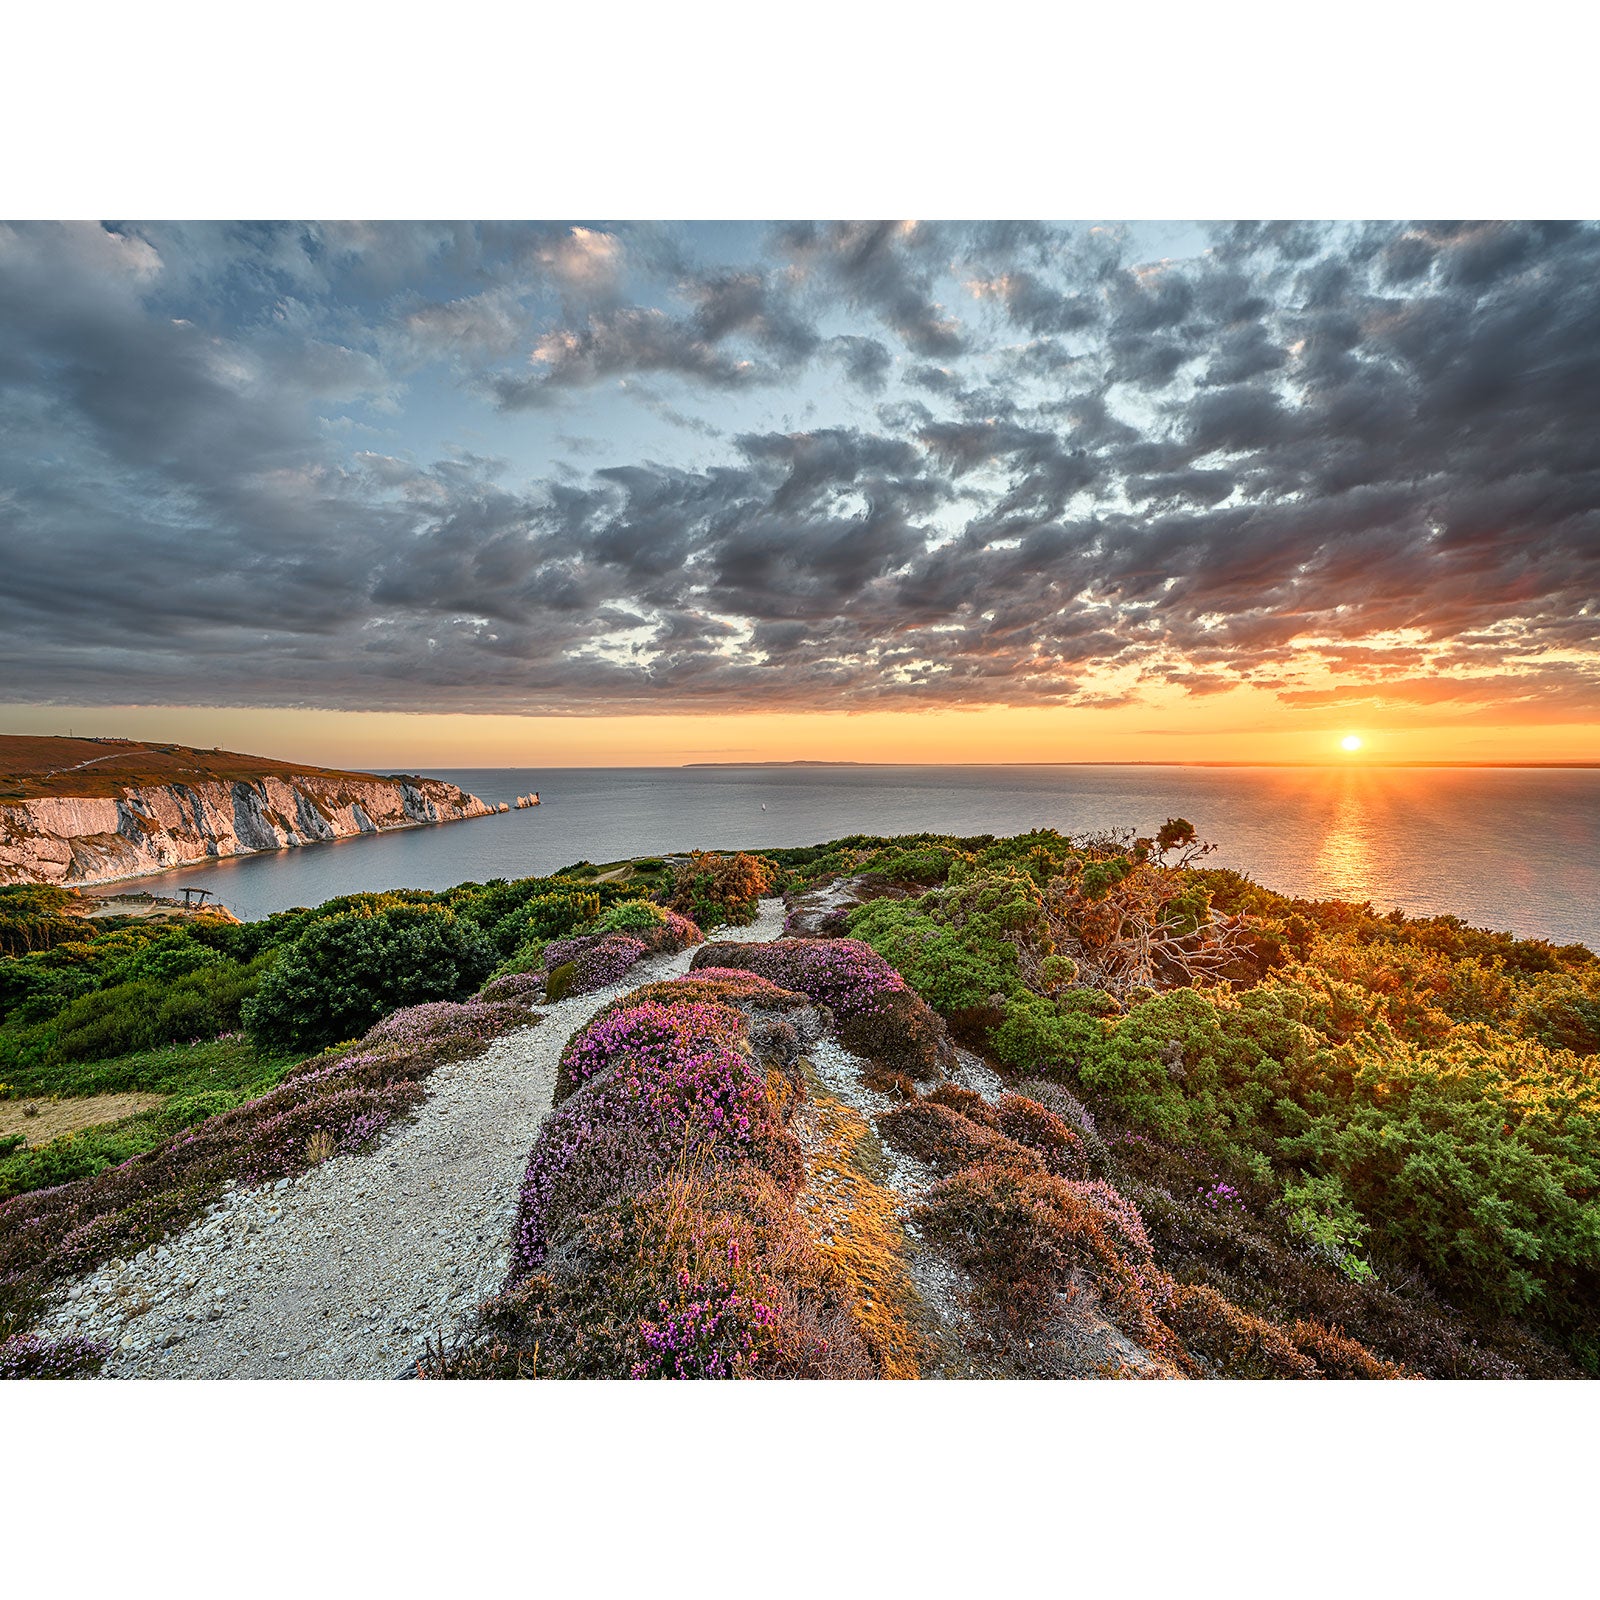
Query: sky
column 599, row 493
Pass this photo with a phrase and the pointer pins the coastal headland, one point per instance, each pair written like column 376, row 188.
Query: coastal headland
column 86, row 811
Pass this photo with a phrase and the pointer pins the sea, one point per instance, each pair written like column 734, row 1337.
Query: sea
column 1504, row 848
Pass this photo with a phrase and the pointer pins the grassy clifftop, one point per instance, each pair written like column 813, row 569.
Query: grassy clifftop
column 34, row 767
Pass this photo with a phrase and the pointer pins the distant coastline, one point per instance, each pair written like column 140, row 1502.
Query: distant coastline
column 1347, row 763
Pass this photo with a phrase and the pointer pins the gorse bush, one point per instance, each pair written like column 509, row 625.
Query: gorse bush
column 629, row 916
column 715, row 890
column 346, row 972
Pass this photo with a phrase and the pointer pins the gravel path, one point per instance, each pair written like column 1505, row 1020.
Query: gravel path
column 345, row 1271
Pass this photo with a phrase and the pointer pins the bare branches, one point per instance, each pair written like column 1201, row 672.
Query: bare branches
column 1132, row 917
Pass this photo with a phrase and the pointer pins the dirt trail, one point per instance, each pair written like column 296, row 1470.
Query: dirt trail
column 346, row 1271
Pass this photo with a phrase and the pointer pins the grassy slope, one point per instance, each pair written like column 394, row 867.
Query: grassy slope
column 34, row 767
column 198, row 1080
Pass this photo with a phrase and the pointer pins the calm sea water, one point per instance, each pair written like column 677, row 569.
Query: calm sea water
column 1504, row 848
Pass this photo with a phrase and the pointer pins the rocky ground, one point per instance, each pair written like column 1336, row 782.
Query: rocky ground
column 346, row 1271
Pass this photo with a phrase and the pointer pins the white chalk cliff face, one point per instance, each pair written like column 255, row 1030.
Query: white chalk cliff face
column 62, row 839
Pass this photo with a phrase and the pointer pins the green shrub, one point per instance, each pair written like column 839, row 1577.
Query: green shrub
column 346, row 972
column 36, row 916
column 1320, row 1215
column 628, row 916
column 553, row 915
column 148, row 1012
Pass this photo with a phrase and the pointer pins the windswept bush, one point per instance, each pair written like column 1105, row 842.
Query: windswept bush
column 344, row 973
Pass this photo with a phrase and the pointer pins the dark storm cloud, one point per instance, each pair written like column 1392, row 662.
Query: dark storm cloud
column 1364, row 450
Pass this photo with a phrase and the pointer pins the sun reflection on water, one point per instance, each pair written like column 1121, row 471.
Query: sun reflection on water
column 1344, row 855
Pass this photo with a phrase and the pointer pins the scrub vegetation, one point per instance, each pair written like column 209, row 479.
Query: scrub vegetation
column 1319, row 1109
column 1259, row 1136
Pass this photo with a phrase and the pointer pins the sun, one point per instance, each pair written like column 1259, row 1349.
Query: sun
column 1350, row 742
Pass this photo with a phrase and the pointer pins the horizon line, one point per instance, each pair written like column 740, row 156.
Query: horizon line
column 1354, row 764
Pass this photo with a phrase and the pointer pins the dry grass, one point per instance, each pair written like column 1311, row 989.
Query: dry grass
column 143, row 908
column 57, row 1118
column 852, row 1218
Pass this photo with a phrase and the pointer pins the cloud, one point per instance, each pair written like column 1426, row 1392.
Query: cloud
column 1348, row 464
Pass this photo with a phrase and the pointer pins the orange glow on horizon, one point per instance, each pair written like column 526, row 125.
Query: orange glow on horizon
column 1245, row 726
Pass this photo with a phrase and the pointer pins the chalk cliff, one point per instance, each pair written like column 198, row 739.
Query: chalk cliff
column 71, row 839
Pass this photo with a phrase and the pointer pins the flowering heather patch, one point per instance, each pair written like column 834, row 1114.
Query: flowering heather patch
column 708, row 1273
column 656, row 1233
column 601, row 960
column 526, row 986
column 843, row 974
column 597, row 961
column 461, row 1025
column 748, row 995
column 674, row 1072
column 711, row 1332
column 651, row 1034
column 878, row 1015
column 1120, row 1219
column 27, row 1355
column 1221, row 1194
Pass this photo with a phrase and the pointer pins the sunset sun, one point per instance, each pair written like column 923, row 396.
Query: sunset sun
column 1350, row 743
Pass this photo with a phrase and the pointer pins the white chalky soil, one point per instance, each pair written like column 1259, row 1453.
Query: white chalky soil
column 346, row 1271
